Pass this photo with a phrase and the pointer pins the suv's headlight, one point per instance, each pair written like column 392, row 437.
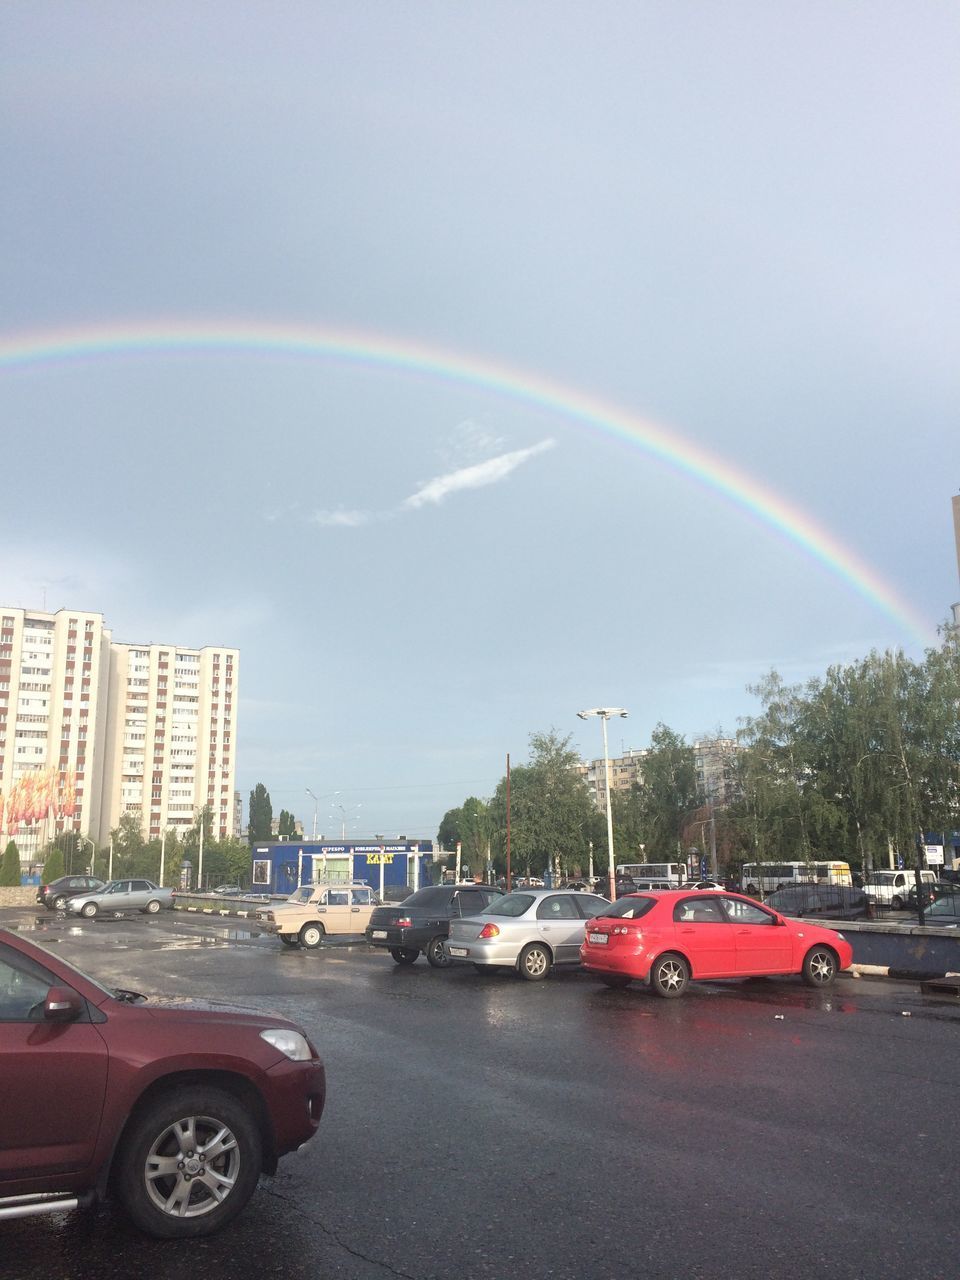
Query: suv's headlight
column 292, row 1043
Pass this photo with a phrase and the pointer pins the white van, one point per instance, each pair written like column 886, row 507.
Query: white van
column 892, row 888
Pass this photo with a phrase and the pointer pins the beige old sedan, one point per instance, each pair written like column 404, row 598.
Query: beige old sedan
column 315, row 910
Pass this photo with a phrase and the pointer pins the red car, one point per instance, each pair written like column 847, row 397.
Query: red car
column 669, row 938
column 176, row 1110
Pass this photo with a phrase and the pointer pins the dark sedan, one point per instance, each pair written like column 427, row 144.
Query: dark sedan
column 55, row 895
column 831, row 901
column 422, row 921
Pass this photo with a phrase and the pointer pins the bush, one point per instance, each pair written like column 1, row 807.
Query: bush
column 10, row 867
column 53, row 868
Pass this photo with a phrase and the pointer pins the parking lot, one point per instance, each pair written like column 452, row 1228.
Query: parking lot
column 481, row 1126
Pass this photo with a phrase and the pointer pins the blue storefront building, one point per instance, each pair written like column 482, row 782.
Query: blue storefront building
column 388, row 867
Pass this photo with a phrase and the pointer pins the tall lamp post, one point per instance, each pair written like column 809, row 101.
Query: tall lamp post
column 354, row 817
column 316, row 806
column 82, row 840
column 605, row 714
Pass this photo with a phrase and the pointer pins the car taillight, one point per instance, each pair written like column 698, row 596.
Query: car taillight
column 489, row 931
column 404, row 922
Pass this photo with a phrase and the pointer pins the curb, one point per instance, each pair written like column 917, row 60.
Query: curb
column 216, row 911
column 889, row 971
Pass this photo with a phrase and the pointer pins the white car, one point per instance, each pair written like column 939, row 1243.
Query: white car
column 529, row 930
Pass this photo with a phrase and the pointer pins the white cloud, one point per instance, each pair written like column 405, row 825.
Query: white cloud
column 343, row 519
column 434, row 491
column 475, row 477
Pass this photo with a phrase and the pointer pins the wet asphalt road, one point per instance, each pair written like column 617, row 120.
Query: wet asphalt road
column 480, row 1126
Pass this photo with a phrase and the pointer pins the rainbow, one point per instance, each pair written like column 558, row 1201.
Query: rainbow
column 406, row 356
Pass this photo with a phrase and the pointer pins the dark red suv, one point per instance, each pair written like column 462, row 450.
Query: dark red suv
column 175, row 1110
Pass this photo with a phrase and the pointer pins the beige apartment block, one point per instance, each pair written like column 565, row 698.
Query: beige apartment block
column 171, row 737
column 714, row 759
column 91, row 729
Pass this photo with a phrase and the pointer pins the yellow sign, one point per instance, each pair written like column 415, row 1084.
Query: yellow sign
column 376, row 859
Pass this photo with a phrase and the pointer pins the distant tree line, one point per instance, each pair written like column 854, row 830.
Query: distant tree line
column 855, row 765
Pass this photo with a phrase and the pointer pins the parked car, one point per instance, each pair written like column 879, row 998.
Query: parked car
column 892, row 888
column 314, row 910
column 55, row 895
column 122, row 895
column 669, row 939
column 175, row 1110
column 422, row 921
column 931, row 893
column 833, row 901
column 703, row 884
column 228, row 891
column 529, row 930
column 945, row 912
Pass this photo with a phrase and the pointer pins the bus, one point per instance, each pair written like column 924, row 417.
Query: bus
column 765, row 877
column 674, row 873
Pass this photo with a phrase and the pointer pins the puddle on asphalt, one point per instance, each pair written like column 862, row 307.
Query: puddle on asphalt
column 204, row 940
column 55, row 927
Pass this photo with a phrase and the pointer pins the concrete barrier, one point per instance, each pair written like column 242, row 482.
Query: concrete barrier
column 899, row 949
column 23, row 896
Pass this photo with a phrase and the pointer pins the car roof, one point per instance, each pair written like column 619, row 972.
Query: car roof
column 688, row 892
column 545, row 893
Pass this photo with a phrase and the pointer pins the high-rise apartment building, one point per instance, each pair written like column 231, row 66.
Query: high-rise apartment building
column 171, row 736
column 714, row 760
column 91, row 729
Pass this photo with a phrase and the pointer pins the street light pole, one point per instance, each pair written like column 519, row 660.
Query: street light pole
column 605, row 713
column 316, row 806
column 200, row 858
column 93, row 851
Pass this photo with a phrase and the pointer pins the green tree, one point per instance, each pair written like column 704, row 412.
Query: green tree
column 172, row 857
column 553, row 817
column 10, row 866
column 260, row 818
column 53, row 867
column 668, row 794
column 856, row 764
column 451, row 829
column 286, row 825
column 130, row 848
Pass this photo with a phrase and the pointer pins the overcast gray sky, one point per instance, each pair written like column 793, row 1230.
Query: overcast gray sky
column 737, row 221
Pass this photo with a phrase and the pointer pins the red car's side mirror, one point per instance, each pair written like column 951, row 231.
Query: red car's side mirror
column 62, row 1005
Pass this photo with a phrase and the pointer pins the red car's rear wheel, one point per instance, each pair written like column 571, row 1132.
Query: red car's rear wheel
column 670, row 975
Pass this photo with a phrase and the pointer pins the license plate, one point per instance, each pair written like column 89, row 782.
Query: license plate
column 457, row 951
column 379, row 933
column 597, row 937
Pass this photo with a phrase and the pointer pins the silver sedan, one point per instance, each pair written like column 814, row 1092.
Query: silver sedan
column 529, row 930
column 122, row 895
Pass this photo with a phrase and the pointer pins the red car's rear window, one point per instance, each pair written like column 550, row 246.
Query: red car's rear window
column 632, row 907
